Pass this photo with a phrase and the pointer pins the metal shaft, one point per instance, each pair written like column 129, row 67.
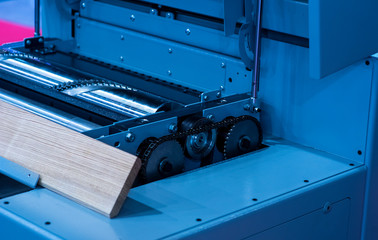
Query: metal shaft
column 256, row 69
column 37, row 17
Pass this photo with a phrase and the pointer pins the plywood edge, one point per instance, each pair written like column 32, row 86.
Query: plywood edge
column 126, row 188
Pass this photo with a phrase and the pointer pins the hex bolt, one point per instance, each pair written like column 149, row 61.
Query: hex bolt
column 28, row 42
column 169, row 15
column 132, row 17
column 83, row 5
column 121, row 58
column 256, row 110
column 169, row 50
column 187, row 31
column 211, row 117
column 205, row 97
column 223, row 65
column 247, row 106
column 219, row 94
column 153, row 11
column 221, row 87
column 172, row 128
column 130, row 137
column 40, row 40
column 169, row 72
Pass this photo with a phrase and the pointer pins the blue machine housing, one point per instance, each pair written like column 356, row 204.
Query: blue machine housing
column 315, row 177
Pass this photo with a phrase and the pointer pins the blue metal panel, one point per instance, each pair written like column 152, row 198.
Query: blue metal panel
column 370, row 224
column 167, row 60
column 207, row 38
column 18, row 173
column 286, row 16
column 193, row 202
column 314, row 226
column 330, row 114
column 212, row 8
column 341, row 33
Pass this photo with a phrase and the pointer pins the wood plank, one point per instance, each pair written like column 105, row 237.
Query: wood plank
column 83, row 169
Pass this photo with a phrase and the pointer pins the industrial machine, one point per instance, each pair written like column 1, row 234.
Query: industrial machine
column 190, row 87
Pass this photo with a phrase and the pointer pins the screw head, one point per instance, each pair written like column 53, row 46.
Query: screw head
column 132, row 17
column 169, row 50
column 219, row 94
column 78, row 45
column 169, row 15
column 28, row 42
column 153, row 11
column 205, row 97
column 223, row 65
column 187, row 31
column 122, row 37
column 83, row 5
column 169, row 72
column 172, row 128
column 40, row 40
column 130, row 137
column 247, row 107
column 121, row 58
column 78, row 25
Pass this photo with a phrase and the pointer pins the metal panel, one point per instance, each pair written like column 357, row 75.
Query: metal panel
column 341, row 33
column 330, row 114
column 19, row 173
column 286, row 16
column 207, row 38
column 193, row 202
column 167, row 60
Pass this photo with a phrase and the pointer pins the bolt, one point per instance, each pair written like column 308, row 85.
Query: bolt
column 169, row 15
column 169, row 72
column 172, row 128
column 130, row 137
column 211, row 117
column 78, row 45
column 223, row 65
column 165, row 166
column 256, row 110
column 219, row 94
column 153, row 11
column 132, row 17
column 247, row 107
column 83, row 5
column 187, row 31
column 205, row 97
column 40, row 40
column 122, row 37
column 169, row 50
column 222, row 88
column 121, row 58
column 78, row 25
column 28, row 42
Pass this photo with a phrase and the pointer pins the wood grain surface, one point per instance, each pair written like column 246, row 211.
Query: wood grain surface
column 83, row 169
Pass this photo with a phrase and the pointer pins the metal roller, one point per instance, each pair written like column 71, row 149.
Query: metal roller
column 122, row 99
column 50, row 113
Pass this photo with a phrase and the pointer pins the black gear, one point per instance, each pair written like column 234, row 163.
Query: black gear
column 160, row 159
column 240, row 138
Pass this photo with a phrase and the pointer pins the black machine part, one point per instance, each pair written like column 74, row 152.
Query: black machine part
column 198, row 146
column 160, row 160
column 239, row 138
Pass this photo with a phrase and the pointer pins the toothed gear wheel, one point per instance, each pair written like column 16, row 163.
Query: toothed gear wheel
column 240, row 138
column 161, row 160
column 200, row 145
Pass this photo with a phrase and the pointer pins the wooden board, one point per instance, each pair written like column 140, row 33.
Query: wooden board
column 81, row 168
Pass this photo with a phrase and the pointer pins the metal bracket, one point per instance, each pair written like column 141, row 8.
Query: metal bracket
column 210, row 96
column 18, row 173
